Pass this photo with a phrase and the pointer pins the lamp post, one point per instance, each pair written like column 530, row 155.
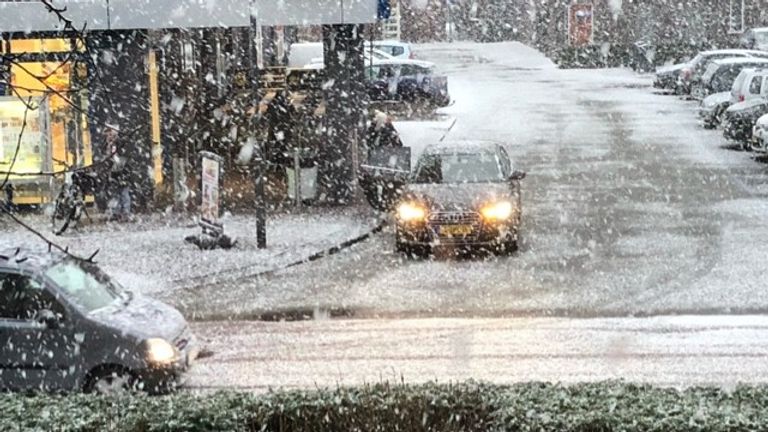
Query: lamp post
column 259, row 164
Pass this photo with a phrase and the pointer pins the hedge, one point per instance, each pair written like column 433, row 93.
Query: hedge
column 607, row 406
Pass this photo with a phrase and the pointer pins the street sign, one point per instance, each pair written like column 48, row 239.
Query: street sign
column 209, row 206
column 384, row 9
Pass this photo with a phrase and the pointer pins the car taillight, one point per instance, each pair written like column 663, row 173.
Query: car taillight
column 411, row 55
column 741, row 98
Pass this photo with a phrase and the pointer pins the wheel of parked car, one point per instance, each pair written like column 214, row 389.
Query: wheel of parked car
column 110, row 381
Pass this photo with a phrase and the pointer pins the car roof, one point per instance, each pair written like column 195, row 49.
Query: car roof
column 390, row 42
column 462, row 147
column 730, row 51
column 739, row 60
column 396, row 61
column 759, row 29
column 28, row 259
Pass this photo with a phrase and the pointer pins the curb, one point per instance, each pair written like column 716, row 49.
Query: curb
column 333, row 250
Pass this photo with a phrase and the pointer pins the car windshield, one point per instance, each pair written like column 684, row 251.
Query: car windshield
column 453, row 168
column 84, row 284
column 723, row 79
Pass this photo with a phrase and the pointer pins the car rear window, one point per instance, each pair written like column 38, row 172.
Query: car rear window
column 756, row 85
column 736, row 87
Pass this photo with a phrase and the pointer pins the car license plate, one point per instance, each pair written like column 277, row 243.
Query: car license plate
column 455, row 230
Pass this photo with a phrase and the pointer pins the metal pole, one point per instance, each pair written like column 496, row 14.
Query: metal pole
column 296, row 178
column 261, row 201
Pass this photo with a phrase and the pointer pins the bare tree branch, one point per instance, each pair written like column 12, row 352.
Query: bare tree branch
column 50, row 243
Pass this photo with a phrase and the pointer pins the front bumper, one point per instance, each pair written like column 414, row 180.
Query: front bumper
column 759, row 141
column 664, row 81
column 738, row 128
column 707, row 114
column 159, row 379
column 483, row 233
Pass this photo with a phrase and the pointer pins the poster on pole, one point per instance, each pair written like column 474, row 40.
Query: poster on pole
column 210, row 177
column 580, row 24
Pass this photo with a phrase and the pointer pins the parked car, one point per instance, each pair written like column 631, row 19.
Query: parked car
column 407, row 81
column 721, row 74
column 369, row 56
column 712, row 107
column 67, row 326
column 755, row 39
column 397, row 49
column 747, row 85
column 463, row 194
column 693, row 70
column 760, row 135
column 739, row 120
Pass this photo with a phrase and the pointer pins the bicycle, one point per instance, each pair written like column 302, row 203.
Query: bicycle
column 69, row 205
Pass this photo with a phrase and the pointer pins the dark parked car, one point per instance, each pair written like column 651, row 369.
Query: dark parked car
column 721, row 74
column 407, row 81
column 66, row 326
column 685, row 74
column 739, row 120
column 463, row 194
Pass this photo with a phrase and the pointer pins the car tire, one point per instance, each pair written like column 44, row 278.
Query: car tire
column 411, row 251
column 111, row 380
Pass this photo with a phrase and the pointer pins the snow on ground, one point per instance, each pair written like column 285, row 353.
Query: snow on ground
column 152, row 257
column 630, row 207
column 671, row 351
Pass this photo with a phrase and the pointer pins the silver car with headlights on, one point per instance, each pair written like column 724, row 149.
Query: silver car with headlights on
column 67, row 326
column 460, row 195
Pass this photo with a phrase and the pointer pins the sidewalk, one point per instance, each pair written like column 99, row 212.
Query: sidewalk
column 151, row 257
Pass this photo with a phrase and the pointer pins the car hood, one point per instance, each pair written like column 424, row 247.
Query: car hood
column 457, row 197
column 671, row 69
column 716, row 99
column 747, row 104
column 144, row 317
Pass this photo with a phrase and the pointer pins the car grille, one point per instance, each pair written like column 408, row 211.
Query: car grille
column 436, row 220
column 454, row 218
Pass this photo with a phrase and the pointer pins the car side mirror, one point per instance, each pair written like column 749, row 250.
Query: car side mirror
column 49, row 319
column 517, row 175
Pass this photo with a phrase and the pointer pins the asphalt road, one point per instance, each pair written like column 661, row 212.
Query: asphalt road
column 630, row 209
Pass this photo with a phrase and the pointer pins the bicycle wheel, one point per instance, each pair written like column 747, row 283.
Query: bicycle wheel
column 63, row 212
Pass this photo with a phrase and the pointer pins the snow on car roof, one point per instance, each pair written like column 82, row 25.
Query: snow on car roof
column 28, row 258
column 739, row 60
column 731, row 51
column 462, row 146
column 395, row 61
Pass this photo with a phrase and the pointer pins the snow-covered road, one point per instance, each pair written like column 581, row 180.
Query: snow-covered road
column 630, row 208
column 670, row 351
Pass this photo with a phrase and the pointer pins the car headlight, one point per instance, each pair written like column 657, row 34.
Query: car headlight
column 410, row 212
column 160, row 351
column 501, row 210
